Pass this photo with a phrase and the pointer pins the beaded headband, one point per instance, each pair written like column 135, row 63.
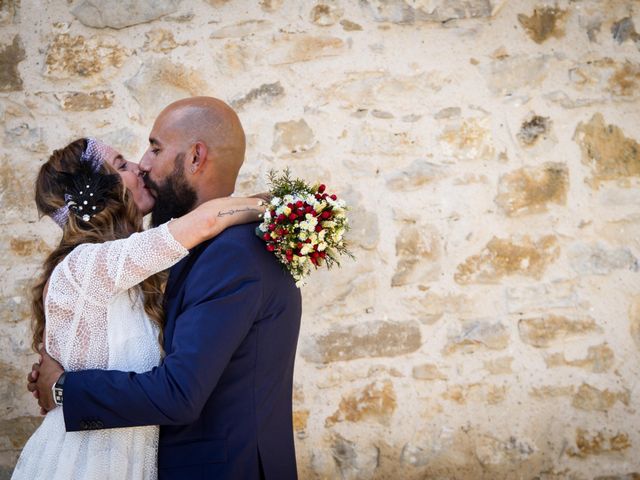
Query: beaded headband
column 83, row 189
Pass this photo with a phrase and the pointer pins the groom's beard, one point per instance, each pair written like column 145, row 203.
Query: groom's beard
column 174, row 197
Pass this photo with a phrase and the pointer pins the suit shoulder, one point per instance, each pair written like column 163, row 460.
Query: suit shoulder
column 239, row 238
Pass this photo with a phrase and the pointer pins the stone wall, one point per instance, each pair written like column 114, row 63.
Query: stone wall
column 490, row 327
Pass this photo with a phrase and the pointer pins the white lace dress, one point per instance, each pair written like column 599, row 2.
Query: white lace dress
column 95, row 319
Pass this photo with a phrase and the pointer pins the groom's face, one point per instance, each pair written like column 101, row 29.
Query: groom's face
column 163, row 166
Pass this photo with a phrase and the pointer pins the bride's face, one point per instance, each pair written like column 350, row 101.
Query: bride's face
column 130, row 175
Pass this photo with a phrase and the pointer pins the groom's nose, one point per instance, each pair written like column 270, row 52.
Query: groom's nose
column 144, row 165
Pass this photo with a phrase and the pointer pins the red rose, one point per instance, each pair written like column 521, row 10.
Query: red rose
column 293, row 216
column 266, row 236
column 272, row 227
column 334, row 197
column 326, row 215
column 318, row 228
column 271, row 247
column 322, row 188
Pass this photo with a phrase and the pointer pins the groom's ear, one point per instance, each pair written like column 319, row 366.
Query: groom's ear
column 198, row 157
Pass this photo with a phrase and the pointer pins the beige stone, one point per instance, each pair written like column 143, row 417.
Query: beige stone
column 10, row 57
column 384, row 90
column 350, row 26
column 325, row 14
column 418, row 250
column 499, row 366
column 530, row 189
column 544, row 331
column 607, row 151
column 375, row 402
column 544, row 23
column 476, row 392
column 121, row 13
column 291, row 48
column 15, row 432
column 588, row 443
column 300, row 418
column 270, row 5
column 634, row 320
column 85, row 102
column 593, row 399
column 294, row 136
column 367, row 339
column 160, row 40
column 9, row 11
column 242, row 29
column 71, row 56
column 160, row 82
column 469, row 140
column 506, row 257
column 428, row 371
column 599, row 359
column 516, row 74
column 546, row 392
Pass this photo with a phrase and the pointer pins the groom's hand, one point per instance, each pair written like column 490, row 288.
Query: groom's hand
column 42, row 378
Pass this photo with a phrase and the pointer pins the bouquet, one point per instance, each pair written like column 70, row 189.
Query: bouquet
column 303, row 225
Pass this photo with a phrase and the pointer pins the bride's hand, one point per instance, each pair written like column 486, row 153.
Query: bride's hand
column 266, row 196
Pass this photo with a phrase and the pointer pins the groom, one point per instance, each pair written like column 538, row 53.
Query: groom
column 222, row 394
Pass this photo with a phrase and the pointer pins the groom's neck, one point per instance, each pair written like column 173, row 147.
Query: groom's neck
column 211, row 194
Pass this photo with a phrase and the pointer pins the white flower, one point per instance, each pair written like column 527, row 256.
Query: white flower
column 302, row 235
column 321, row 235
column 306, row 249
column 288, row 199
column 267, row 215
column 262, row 227
column 275, row 201
column 322, row 247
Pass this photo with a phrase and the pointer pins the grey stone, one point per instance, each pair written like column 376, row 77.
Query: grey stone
column 418, row 174
column 122, row 13
column 596, row 259
column 267, row 92
column 478, row 334
column 624, row 30
column 408, row 11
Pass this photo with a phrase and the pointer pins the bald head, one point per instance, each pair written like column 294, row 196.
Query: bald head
column 209, row 132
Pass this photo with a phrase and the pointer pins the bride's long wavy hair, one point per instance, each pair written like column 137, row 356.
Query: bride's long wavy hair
column 118, row 219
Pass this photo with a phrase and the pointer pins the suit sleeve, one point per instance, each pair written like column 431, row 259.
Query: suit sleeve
column 222, row 296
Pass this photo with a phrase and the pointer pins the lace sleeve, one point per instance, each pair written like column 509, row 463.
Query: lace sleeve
column 84, row 283
column 105, row 269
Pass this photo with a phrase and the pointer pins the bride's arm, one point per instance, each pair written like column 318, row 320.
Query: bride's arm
column 212, row 217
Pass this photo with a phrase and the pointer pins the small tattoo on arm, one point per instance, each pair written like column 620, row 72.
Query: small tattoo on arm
column 240, row 210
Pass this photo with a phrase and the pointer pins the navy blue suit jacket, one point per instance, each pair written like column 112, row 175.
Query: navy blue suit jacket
column 222, row 394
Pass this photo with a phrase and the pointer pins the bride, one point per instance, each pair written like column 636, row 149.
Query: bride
column 98, row 303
